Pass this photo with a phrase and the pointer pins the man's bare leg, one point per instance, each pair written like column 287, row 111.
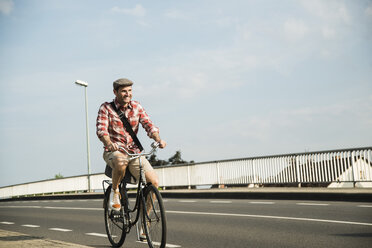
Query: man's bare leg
column 152, row 178
column 120, row 164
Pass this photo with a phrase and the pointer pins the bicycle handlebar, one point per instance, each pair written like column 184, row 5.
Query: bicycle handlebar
column 154, row 146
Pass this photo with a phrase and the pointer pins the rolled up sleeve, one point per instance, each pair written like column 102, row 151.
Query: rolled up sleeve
column 146, row 122
column 102, row 122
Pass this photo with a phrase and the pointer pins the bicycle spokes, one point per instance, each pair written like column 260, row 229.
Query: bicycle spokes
column 115, row 224
column 154, row 218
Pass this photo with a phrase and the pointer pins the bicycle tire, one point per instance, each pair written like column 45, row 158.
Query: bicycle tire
column 114, row 222
column 154, row 219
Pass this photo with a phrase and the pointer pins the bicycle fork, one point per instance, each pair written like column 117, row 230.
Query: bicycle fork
column 126, row 214
column 139, row 223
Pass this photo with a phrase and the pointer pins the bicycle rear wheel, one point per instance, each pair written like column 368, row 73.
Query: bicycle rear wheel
column 114, row 222
column 154, row 220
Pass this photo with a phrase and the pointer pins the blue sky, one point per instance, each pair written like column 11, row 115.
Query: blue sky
column 222, row 79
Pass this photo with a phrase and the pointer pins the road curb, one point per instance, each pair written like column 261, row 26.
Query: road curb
column 267, row 194
column 311, row 196
column 21, row 240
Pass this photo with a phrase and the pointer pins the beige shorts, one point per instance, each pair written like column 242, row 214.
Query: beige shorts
column 133, row 164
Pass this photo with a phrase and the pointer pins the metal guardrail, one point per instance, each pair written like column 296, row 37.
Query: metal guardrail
column 334, row 167
column 323, row 167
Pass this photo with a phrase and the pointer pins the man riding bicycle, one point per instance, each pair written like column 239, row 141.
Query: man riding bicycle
column 113, row 134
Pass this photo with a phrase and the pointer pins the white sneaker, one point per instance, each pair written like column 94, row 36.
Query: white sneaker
column 142, row 235
column 115, row 200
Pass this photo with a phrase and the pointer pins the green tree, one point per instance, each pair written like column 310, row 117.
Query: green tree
column 154, row 161
column 175, row 159
column 58, row 176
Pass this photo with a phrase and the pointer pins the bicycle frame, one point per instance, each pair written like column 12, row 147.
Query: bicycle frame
column 139, row 196
column 140, row 200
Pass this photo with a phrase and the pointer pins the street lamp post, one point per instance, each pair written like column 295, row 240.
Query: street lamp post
column 85, row 85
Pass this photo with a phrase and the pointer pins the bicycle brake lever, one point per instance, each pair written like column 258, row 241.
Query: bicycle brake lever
column 155, row 145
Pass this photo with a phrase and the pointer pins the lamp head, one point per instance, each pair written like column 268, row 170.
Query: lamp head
column 81, row 83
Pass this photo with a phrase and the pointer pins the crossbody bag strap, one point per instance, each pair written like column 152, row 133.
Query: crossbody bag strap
column 127, row 126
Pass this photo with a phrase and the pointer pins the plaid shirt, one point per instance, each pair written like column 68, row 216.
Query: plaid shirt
column 109, row 123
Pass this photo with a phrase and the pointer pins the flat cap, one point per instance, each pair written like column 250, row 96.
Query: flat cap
column 122, row 82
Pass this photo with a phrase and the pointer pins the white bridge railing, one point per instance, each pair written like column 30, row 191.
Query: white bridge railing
column 324, row 168
column 338, row 166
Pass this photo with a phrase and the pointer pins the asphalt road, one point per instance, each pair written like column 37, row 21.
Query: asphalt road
column 200, row 223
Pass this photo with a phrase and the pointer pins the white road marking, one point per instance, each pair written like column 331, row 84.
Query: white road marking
column 167, row 245
column 188, row 201
column 73, row 208
column 365, row 206
column 60, row 229
column 312, row 204
column 7, row 223
column 20, row 207
column 47, row 207
column 172, row 246
column 157, row 243
column 272, row 217
column 268, row 203
column 97, row 234
column 28, row 225
column 220, row 201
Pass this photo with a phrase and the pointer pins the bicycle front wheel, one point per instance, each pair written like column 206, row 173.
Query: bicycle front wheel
column 114, row 223
column 154, row 221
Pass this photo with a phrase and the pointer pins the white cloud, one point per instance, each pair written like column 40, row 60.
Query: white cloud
column 143, row 23
column 295, row 30
column 176, row 14
column 328, row 33
column 137, row 11
column 6, row 6
column 343, row 14
column 182, row 81
column 330, row 11
column 325, row 54
column 319, row 119
column 368, row 10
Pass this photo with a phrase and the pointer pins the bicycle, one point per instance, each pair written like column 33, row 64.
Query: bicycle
column 149, row 208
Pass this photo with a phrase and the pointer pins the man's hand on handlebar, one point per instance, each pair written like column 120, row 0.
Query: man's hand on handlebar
column 115, row 147
column 162, row 144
